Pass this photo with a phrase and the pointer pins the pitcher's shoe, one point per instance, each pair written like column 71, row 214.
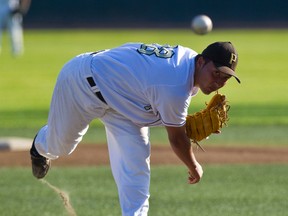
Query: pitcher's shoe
column 40, row 164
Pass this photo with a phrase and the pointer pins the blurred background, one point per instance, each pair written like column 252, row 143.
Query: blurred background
column 150, row 13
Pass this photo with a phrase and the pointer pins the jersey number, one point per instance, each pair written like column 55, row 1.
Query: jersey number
column 165, row 51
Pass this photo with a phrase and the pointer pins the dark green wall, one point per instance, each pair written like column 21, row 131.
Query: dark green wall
column 155, row 13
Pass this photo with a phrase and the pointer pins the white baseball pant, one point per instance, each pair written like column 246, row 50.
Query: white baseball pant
column 74, row 105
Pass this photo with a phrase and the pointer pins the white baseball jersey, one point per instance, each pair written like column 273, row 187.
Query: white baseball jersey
column 149, row 84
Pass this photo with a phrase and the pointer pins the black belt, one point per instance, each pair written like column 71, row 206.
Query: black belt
column 98, row 93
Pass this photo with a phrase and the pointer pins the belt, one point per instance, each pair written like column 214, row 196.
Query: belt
column 98, row 93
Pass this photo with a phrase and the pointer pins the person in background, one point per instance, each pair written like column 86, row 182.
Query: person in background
column 11, row 17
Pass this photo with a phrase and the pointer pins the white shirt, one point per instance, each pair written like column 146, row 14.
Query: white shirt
column 149, row 84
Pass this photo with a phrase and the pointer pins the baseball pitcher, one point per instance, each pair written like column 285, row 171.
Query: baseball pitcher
column 131, row 88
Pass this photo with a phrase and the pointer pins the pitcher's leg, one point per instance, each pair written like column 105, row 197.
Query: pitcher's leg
column 129, row 151
column 66, row 125
column 72, row 108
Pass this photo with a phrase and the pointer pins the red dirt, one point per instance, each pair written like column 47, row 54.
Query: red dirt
column 93, row 155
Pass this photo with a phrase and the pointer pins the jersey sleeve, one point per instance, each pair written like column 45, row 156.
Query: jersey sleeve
column 171, row 105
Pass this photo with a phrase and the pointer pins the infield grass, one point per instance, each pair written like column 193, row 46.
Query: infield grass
column 238, row 190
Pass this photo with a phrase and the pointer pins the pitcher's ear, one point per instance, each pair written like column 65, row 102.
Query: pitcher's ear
column 200, row 61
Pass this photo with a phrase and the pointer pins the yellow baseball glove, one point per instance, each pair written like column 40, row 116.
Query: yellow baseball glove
column 201, row 124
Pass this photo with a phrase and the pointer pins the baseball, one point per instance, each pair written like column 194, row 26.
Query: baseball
column 201, row 24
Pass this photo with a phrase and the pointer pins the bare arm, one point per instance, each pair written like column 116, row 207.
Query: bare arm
column 182, row 147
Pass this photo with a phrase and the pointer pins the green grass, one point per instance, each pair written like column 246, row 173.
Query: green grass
column 259, row 103
column 239, row 190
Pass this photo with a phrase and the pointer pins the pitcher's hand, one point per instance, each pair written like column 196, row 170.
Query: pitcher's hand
column 195, row 174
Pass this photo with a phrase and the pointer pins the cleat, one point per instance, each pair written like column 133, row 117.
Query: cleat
column 40, row 164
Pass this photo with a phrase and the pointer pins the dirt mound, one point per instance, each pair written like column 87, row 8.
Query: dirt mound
column 93, row 155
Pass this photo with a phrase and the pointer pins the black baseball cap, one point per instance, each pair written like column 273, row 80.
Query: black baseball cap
column 224, row 56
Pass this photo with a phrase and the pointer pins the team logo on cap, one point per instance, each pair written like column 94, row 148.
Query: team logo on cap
column 233, row 58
